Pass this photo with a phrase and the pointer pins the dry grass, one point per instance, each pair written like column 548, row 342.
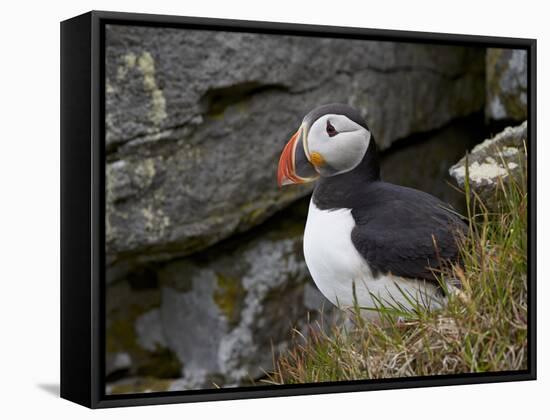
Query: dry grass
column 483, row 328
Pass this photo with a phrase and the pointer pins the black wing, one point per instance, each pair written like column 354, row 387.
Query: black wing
column 405, row 232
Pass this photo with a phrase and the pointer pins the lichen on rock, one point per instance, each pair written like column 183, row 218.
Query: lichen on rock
column 229, row 297
column 146, row 65
column 492, row 160
column 488, row 171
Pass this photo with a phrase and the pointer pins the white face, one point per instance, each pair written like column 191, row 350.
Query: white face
column 335, row 144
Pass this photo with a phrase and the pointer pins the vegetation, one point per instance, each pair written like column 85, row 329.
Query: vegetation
column 482, row 329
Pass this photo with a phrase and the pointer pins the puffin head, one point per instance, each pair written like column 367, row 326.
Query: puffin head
column 332, row 139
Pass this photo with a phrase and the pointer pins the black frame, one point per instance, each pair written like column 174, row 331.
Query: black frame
column 83, row 208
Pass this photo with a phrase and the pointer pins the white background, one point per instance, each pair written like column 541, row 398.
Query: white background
column 29, row 230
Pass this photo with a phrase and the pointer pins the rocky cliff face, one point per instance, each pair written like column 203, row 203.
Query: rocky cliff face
column 195, row 118
column 215, row 318
column 506, row 84
column 204, row 281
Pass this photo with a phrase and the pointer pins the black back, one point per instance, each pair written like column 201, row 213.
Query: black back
column 405, row 232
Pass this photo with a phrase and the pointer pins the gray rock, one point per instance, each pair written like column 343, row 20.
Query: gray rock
column 223, row 313
column 135, row 342
column 196, row 120
column 228, row 312
column 149, row 330
column 506, row 84
column 436, row 152
column 497, row 158
column 117, row 362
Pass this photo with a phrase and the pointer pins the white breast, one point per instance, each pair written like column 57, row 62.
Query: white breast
column 336, row 266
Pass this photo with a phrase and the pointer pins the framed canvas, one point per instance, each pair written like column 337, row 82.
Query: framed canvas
column 254, row 209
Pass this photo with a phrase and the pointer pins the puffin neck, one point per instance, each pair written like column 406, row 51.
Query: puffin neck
column 338, row 191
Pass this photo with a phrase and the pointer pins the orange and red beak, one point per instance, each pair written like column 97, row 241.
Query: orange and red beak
column 294, row 166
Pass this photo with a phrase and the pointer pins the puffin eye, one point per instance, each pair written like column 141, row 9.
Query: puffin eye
column 331, row 131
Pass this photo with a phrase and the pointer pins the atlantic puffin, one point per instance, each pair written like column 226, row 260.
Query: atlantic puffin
column 366, row 242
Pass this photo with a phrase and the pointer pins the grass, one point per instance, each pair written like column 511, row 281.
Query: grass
column 482, row 329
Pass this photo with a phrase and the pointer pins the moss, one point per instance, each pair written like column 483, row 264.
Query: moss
column 124, row 306
column 229, row 296
column 120, row 336
column 162, row 363
column 256, row 216
column 141, row 385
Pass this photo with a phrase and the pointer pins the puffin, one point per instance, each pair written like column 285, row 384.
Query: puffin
column 367, row 243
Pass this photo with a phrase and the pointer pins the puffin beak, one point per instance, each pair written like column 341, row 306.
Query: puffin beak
column 294, row 166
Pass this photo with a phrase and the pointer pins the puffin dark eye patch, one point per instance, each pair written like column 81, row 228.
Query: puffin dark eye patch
column 331, row 131
column 245, row 217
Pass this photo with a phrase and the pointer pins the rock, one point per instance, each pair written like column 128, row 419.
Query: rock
column 135, row 342
column 493, row 159
column 138, row 385
column 227, row 312
column 196, row 120
column 506, row 84
column 224, row 313
column 117, row 362
column 438, row 151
